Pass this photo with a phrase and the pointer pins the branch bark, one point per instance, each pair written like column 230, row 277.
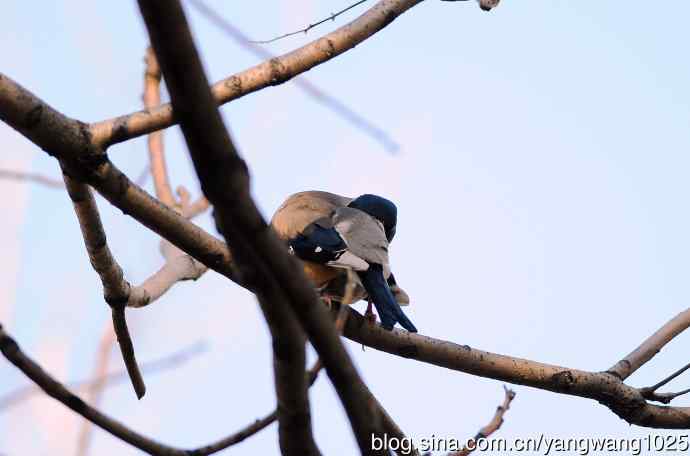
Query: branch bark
column 625, row 401
column 221, row 171
column 115, row 288
column 272, row 72
column 650, row 347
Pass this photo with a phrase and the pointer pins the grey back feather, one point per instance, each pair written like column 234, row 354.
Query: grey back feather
column 363, row 234
column 302, row 209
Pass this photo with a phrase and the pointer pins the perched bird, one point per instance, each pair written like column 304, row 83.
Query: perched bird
column 331, row 233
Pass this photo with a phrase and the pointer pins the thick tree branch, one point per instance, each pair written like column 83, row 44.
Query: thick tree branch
column 209, row 145
column 272, row 72
column 69, row 141
column 225, row 182
column 312, row 374
column 115, row 288
column 625, row 401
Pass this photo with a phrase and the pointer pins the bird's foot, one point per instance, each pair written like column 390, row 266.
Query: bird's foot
column 369, row 314
column 370, row 317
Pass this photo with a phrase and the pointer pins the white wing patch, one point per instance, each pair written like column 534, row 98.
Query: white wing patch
column 349, row 260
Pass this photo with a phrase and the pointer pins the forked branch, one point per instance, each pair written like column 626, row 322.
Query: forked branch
column 116, row 289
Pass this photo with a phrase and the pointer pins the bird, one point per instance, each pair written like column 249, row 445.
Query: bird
column 330, row 234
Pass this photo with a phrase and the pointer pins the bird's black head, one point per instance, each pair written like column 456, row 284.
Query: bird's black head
column 381, row 209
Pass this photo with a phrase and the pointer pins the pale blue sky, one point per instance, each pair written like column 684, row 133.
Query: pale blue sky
column 542, row 190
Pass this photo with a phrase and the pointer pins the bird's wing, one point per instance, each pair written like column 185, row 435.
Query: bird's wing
column 363, row 234
column 302, row 209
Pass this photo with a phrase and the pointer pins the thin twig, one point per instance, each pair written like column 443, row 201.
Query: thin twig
column 58, row 392
column 310, row 26
column 669, row 378
column 152, row 98
column 31, row 177
column 329, row 101
column 650, row 393
column 493, row 426
column 95, row 390
column 109, row 380
column 664, row 398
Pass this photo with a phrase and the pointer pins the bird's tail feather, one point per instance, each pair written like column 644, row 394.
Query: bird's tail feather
column 389, row 310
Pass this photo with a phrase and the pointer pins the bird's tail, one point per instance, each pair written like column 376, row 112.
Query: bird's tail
column 389, row 310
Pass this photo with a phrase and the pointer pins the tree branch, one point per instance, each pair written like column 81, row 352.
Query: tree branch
column 31, row 177
column 212, row 150
column 274, row 71
column 650, row 393
column 152, row 98
column 94, row 392
column 319, row 95
column 69, row 141
column 312, row 374
column 625, row 401
column 650, row 347
column 56, row 390
column 493, row 426
column 109, row 379
column 310, row 26
column 115, row 288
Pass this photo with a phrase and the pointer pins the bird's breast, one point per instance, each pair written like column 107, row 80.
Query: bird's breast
column 319, row 274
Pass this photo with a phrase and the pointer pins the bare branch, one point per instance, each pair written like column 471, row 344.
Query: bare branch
column 160, row 365
column 95, row 390
column 212, row 151
column 664, row 398
column 493, row 426
column 152, row 98
column 115, row 288
column 225, row 182
column 57, row 391
column 260, row 424
column 271, row 72
column 310, row 26
column 625, row 401
column 69, row 141
column 190, row 210
column 669, row 378
column 650, row 347
column 31, row 177
column 319, row 95
column 650, row 393
column 177, row 268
